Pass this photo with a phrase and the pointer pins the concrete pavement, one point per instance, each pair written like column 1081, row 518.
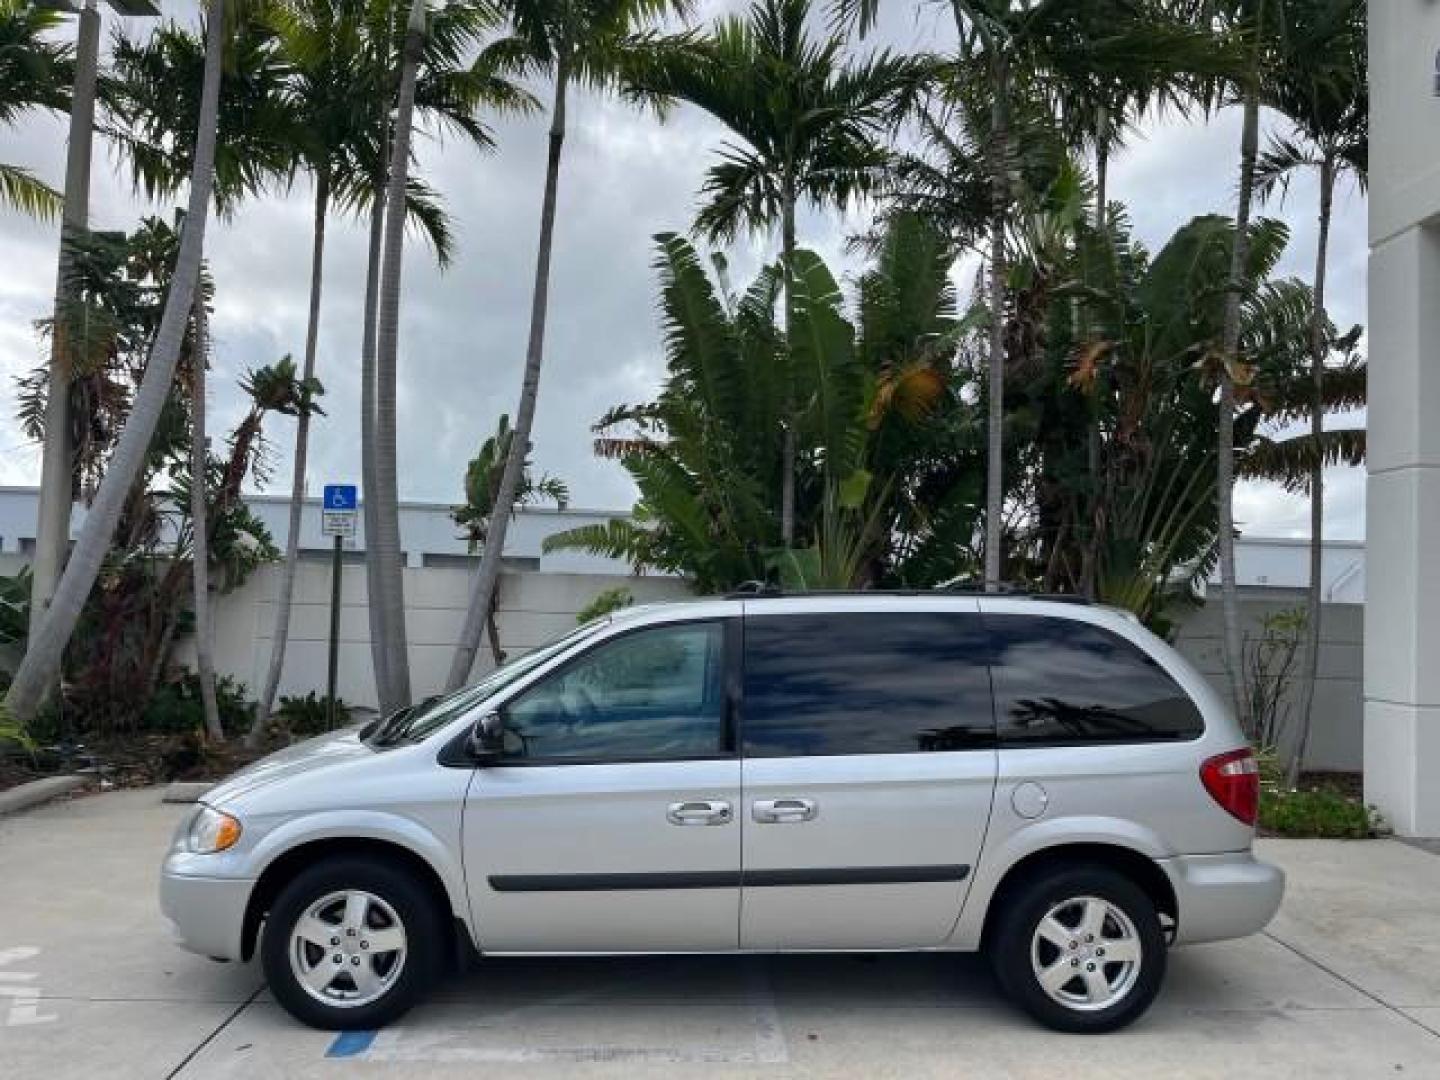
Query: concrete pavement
column 1346, row 983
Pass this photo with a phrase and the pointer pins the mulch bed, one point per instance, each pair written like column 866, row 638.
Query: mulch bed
column 1349, row 784
column 130, row 761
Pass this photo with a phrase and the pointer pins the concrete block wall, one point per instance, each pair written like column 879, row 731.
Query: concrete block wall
column 1337, row 732
column 538, row 606
column 534, row 608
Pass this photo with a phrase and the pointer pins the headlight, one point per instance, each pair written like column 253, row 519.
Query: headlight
column 211, row 831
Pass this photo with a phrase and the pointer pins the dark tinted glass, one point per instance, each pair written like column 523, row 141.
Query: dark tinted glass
column 1059, row 682
column 651, row 694
column 871, row 683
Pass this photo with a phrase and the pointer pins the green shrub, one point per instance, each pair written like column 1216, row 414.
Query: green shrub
column 309, row 715
column 176, row 708
column 1318, row 809
column 1316, row 813
column 11, row 730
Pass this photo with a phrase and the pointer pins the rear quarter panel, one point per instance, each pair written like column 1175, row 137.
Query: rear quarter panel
column 1146, row 797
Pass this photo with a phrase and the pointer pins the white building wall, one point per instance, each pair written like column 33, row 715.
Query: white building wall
column 426, row 531
column 1402, row 616
column 1263, row 562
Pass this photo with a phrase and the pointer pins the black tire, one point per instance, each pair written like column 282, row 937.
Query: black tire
column 413, row 907
column 1011, row 947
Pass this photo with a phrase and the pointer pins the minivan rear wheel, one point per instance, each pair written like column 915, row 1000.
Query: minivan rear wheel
column 351, row 944
column 1080, row 948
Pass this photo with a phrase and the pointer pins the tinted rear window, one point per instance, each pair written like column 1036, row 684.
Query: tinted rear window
column 1059, row 682
column 865, row 683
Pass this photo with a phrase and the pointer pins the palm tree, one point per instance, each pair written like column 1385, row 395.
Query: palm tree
column 588, row 42
column 43, row 654
column 1055, row 53
column 315, row 40
column 331, row 45
column 1255, row 21
column 1174, row 72
column 1320, row 87
column 379, row 655
column 200, row 549
column 809, row 122
column 1175, row 68
column 154, row 105
column 36, row 72
column 892, row 500
column 1146, row 359
column 384, row 545
column 482, row 484
column 154, row 111
column 52, row 520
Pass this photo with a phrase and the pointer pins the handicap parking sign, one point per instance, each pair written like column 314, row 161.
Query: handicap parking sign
column 337, row 518
column 341, row 497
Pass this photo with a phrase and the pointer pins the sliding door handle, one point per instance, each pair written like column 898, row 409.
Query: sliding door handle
column 698, row 813
column 784, row 811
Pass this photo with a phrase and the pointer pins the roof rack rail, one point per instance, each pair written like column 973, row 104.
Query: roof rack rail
column 761, row 590
column 754, row 587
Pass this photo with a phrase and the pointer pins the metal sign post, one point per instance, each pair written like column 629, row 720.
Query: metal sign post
column 337, row 519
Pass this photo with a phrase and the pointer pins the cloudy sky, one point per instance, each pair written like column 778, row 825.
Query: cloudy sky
column 625, row 177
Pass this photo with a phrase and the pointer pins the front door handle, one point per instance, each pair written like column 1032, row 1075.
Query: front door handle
column 698, row 813
column 784, row 811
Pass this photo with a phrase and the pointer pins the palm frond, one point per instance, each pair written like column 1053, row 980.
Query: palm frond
column 1291, row 461
column 21, row 190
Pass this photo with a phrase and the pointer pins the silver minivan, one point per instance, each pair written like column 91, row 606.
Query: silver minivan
column 1044, row 781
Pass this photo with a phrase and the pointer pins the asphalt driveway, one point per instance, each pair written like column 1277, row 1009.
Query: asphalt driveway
column 1346, row 983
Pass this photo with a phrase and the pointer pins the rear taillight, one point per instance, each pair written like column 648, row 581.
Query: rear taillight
column 1233, row 781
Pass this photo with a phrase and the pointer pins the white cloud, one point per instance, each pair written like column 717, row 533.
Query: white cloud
column 463, row 333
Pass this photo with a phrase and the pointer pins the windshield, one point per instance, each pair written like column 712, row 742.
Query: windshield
column 419, row 721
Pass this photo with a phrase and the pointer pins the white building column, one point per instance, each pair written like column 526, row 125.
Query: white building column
column 1402, row 603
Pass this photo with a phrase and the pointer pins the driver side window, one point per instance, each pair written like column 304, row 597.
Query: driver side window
column 656, row 693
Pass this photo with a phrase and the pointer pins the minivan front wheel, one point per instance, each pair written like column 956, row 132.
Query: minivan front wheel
column 1081, row 949
column 350, row 944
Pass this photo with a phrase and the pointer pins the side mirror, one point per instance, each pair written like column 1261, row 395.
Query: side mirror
column 487, row 737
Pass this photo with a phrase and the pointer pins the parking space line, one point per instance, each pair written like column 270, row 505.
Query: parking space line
column 350, row 1043
column 770, row 1047
column 1353, row 984
column 759, row 1038
column 211, row 1037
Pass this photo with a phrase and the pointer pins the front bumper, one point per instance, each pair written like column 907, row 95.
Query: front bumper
column 206, row 914
column 1223, row 896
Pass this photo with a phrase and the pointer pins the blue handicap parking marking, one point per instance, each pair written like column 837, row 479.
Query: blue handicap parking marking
column 340, row 497
column 350, row 1043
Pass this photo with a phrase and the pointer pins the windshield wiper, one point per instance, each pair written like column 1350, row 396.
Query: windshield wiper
column 390, row 729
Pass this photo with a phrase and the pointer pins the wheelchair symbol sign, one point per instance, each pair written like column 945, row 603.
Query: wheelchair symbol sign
column 340, row 497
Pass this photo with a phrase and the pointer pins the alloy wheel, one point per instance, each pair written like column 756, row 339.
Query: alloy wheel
column 1086, row 954
column 348, row 948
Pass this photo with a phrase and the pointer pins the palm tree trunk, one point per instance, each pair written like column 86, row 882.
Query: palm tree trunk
column 487, row 577
column 379, row 657
column 1090, row 554
column 994, row 474
column 1102, row 167
column 200, row 529
column 42, row 658
column 285, row 592
column 787, row 448
column 52, row 525
column 1310, row 658
column 1225, row 445
column 386, row 541
column 492, row 631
